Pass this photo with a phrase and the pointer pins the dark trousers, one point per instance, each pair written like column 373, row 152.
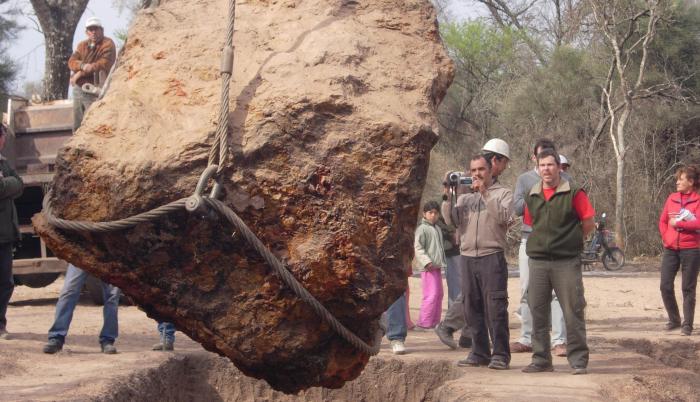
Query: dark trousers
column 7, row 285
column 688, row 261
column 485, row 289
column 564, row 277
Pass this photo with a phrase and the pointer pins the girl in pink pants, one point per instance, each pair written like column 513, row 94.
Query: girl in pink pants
column 431, row 305
column 429, row 258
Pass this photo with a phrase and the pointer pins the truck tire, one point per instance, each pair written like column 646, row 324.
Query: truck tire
column 36, row 280
column 93, row 286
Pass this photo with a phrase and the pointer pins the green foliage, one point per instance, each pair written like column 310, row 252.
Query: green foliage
column 480, row 49
column 555, row 99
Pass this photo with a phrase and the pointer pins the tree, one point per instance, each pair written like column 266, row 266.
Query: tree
column 629, row 27
column 8, row 32
column 58, row 20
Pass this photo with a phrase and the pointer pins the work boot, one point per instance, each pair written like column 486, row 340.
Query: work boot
column 578, row 370
column 53, row 346
column 671, row 325
column 536, row 368
column 473, row 361
column 445, row 335
column 497, row 364
column 686, row 330
column 165, row 346
column 108, row 348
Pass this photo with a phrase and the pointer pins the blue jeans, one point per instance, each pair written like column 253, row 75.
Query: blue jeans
column 396, row 317
column 454, row 279
column 68, row 299
column 166, row 331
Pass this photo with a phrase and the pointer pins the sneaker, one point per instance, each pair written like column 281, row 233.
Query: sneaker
column 559, row 350
column 672, row 325
column 465, row 342
column 686, row 330
column 472, row 361
column 497, row 364
column 53, row 346
column 108, row 348
column 4, row 334
column 164, row 346
column 579, row 370
column 445, row 336
column 517, row 347
column 398, row 347
column 536, row 368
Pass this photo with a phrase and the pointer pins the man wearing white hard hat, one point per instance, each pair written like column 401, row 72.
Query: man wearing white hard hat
column 565, row 165
column 90, row 64
column 497, row 152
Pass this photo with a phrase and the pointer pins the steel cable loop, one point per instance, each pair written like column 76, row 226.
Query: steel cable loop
column 291, row 281
column 220, row 147
column 110, row 226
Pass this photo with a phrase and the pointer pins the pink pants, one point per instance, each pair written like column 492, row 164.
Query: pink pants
column 431, row 305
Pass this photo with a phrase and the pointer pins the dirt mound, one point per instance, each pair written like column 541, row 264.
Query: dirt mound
column 333, row 117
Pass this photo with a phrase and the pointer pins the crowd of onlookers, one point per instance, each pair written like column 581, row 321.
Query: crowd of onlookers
column 465, row 237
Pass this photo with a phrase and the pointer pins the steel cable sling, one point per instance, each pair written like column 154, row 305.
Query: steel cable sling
column 200, row 203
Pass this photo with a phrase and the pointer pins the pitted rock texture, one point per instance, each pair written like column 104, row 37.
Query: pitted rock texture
column 333, row 117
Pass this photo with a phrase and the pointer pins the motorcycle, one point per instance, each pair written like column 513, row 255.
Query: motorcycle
column 602, row 248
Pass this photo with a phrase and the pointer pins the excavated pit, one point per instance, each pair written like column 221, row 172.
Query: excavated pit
column 206, row 377
column 671, row 373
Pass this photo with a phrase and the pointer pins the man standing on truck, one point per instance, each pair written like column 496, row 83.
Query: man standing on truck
column 11, row 187
column 92, row 60
column 92, row 57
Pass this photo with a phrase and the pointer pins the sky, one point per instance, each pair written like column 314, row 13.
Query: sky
column 28, row 49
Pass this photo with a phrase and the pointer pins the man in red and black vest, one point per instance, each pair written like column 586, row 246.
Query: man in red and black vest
column 561, row 216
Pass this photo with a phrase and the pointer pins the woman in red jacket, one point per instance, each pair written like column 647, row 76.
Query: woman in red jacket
column 679, row 225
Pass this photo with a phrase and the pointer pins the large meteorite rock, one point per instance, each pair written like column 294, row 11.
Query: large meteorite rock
column 333, row 117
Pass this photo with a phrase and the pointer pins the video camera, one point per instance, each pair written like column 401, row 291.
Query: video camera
column 454, row 179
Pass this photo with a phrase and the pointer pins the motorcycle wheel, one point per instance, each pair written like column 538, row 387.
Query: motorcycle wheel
column 613, row 259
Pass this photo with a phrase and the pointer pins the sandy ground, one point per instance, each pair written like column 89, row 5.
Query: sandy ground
column 632, row 358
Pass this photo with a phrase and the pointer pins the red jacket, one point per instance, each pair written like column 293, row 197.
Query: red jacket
column 685, row 235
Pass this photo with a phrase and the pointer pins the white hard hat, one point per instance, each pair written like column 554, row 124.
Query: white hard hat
column 93, row 22
column 497, row 145
column 563, row 160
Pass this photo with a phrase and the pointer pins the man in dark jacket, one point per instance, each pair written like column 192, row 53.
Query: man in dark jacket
column 10, row 188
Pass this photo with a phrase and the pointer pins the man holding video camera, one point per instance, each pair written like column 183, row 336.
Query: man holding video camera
column 481, row 218
column 498, row 152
